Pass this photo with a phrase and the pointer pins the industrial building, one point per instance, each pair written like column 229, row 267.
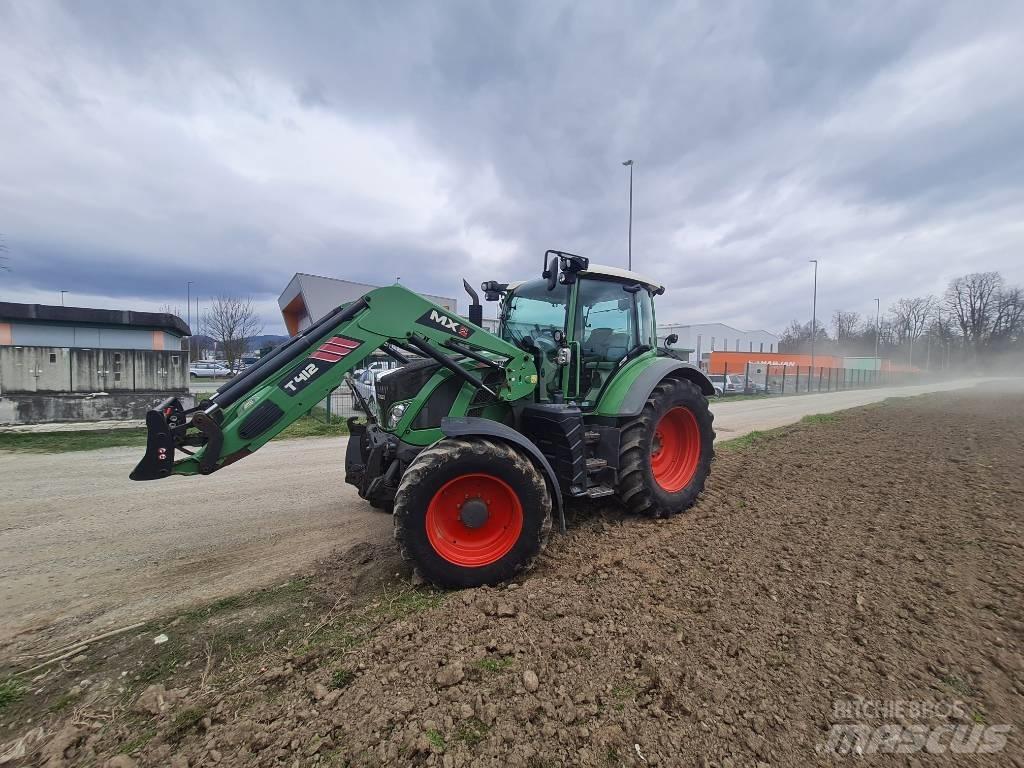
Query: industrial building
column 307, row 298
column 703, row 339
column 79, row 364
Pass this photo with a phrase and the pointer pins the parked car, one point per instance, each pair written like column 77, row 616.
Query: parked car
column 741, row 383
column 208, row 369
column 729, row 384
column 364, row 384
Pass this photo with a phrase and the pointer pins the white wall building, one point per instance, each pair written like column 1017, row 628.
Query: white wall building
column 704, row 338
column 307, row 298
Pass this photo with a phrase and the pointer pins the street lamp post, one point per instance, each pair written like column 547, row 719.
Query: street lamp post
column 878, row 329
column 630, row 241
column 188, row 304
column 62, row 297
column 814, row 310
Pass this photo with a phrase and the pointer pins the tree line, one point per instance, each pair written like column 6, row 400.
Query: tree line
column 978, row 319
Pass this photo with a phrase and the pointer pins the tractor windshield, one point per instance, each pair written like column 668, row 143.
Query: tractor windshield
column 534, row 311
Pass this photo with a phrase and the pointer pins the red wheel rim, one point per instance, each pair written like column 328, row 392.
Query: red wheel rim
column 481, row 542
column 675, row 449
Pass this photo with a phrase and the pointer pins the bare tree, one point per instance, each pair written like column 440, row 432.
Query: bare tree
column 845, row 324
column 231, row 321
column 1008, row 320
column 798, row 336
column 910, row 318
column 972, row 301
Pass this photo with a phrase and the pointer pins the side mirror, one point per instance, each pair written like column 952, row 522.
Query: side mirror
column 671, row 339
column 551, row 273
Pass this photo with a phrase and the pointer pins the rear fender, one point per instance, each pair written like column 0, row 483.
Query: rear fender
column 472, row 426
column 626, row 396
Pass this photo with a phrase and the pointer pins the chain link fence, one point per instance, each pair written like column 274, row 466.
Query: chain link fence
column 755, row 379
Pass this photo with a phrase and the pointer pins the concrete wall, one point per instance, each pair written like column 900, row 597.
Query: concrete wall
column 62, row 370
column 37, row 409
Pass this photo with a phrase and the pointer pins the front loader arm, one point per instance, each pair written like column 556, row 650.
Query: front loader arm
column 258, row 403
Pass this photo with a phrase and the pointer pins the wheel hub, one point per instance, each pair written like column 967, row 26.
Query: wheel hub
column 675, row 449
column 474, row 519
column 474, row 513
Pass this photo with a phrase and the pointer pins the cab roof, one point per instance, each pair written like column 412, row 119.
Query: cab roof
column 598, row 270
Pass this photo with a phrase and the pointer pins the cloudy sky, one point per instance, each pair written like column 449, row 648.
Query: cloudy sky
column 234, row 143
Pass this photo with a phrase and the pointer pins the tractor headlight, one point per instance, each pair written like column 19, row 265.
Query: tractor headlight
column 395, row 414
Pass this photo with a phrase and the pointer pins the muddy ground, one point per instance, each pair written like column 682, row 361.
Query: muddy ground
column 861, row 570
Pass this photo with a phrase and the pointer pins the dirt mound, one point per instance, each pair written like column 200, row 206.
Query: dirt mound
column 861, row 571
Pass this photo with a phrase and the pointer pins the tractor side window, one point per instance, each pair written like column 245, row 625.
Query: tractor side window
column 606, row 321
column 645, row 312
column 534, row 311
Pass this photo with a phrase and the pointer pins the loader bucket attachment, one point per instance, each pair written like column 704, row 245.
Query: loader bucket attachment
column 159, row 458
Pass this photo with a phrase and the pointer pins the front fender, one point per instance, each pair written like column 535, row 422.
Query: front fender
column 474, row 426
column 633, row 385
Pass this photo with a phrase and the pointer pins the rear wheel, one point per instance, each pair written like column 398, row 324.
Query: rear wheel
column 666, row 451
column 471, row 511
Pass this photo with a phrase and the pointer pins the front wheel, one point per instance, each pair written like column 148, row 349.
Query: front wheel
column 470, row 512
column 666, row 451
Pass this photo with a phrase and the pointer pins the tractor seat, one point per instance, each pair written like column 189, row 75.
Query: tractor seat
column 604, row 344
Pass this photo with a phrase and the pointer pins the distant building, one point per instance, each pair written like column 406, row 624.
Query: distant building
column 79, row 364
column 705, row 338
column 307, row 298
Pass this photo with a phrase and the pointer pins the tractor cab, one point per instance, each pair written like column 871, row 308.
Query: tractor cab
column 581, row 322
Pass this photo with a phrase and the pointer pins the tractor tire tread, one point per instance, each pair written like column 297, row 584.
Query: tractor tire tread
column 445, row 451
column 636, row 487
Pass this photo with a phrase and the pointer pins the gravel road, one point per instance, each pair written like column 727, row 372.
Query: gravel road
column 82, row 548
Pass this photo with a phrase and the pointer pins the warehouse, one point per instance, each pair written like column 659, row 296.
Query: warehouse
column 704, row 338
column 307, row 298
column 81, row 364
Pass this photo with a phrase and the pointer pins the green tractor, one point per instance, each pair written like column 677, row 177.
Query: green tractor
column 477, row 440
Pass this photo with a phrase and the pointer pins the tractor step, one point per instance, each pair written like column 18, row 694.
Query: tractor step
column 596, row 465
column 591, row 437
column 599, row 491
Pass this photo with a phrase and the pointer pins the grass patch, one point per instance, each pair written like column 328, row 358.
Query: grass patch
column 185, row 721
column 138, row 742
column 342, row 678
column 77, row 440
column 493, row 665
column 311, row 426
column 758, row 438
column 62, row 702
column 11, row 690
column 471, row 731
column 436, row 738
column 291, row 590
column 94, row 439
column 820, row 418
column 407, row 602
column 957, row 685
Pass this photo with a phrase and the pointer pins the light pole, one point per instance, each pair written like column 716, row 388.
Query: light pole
column 62, row 297
column 814, row 311
column 630, row 241
column 878, row 314
column 188, row 304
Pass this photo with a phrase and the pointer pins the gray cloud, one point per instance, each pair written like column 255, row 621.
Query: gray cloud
column 234, row 144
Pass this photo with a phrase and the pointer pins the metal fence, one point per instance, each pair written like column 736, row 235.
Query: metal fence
column 800, row 379
column 337, row 406
column 341, row 403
